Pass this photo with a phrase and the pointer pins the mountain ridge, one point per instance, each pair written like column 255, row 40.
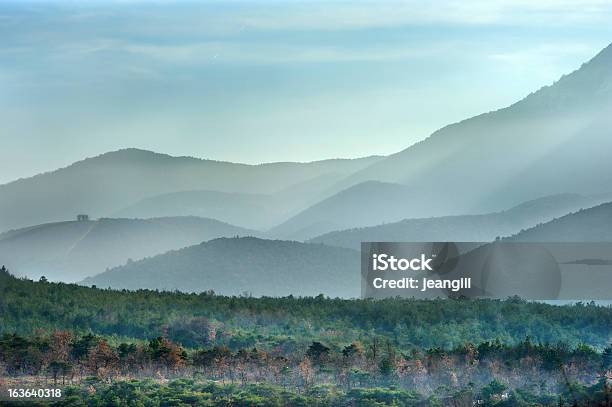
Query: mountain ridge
column 233, row 266
column 471, row 228
column 73, row 250
column 104, row 184
column 498, row 159
column 586, row 225
column 142, row 151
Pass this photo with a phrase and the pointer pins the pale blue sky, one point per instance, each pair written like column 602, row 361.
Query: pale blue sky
column 260, row 81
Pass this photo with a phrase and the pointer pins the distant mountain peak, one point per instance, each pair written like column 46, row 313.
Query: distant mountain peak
column 605, row 55
column 134, row 154
column 581, row 88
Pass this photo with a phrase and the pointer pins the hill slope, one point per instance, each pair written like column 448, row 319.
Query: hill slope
column 102, row 185
column 256, row 211
column 238, row 265
column 463, row 228
column 588, row 225
column 248, row 210
column 71, row 251
column 556, row 140
column 364, row 204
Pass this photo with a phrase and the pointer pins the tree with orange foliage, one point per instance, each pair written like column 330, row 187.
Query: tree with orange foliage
column 103, row 361
column 168, row 353
column 58, row 355
column 306, row 372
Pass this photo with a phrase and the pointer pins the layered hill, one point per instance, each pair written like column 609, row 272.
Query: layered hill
column 248, row 210
column 587, row 225
column 464, row 228
column 256, row 211
column 71, row 251
column 556, row 140
column 364, row 204
column 234, row 266
column 102, row 185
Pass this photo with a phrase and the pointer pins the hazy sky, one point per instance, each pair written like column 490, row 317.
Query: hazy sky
column 259, row 81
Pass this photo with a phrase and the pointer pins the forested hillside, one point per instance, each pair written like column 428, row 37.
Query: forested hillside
column 27, row 306
column 587, row 225
column 203, row 349
column 234, row 266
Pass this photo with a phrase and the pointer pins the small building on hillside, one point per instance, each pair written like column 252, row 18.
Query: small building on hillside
column 82, row 218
